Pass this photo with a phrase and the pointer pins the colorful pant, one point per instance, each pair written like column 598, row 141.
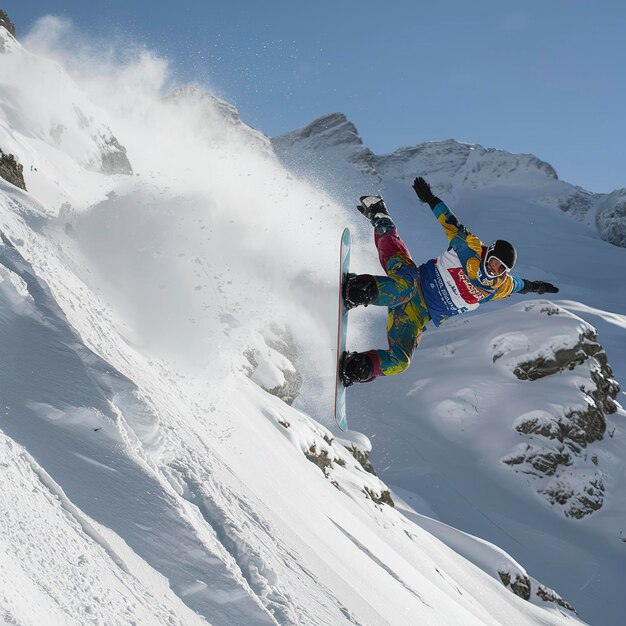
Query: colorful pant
column 400, row 291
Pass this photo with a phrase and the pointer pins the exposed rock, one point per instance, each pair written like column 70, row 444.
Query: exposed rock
column 277, row 341
column 327, row 457
column 544, row 461
column 332, row 456
column 11, row 170
column 520, row 585
column 282, row 341
column 549, row 595
column 322, row 458
column 114, row 159
column 558, row 457
column 384, row 497
column 329, row 153
column 330, row 131
column 566, row 358
column 576, row 502
column 6, row 22
column 111, row 154
column 578, row 204
column 319, row 458
column 607, row 388
column 363, row 458
column 577, row 427
column 611, row 218
column 289, row 391
column 575, row 480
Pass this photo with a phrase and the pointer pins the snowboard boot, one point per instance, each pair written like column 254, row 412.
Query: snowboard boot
column 356, row 367
column 359, row 290
column 374, row 209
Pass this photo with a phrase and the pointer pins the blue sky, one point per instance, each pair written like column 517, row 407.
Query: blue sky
column 545, row 77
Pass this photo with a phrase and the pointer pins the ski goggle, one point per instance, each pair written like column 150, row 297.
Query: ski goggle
column 488, row 258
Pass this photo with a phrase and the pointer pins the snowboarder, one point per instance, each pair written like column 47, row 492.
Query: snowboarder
column 467, row 274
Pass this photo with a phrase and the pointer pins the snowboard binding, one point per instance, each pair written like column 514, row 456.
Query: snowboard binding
column 359, row 290
column 355, row 367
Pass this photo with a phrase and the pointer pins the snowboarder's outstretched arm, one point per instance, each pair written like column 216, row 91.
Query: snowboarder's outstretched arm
column 537, row 286
column 523, row 285
column 425, row 193
column 451, row 225
column 459, row 236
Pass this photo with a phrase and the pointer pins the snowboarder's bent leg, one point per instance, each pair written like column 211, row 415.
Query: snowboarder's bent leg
column 404, row 331
column 389, row 244
column 401, row 282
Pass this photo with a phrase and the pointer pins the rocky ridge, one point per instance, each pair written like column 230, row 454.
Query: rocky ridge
column 558, row 452
column 611, row 218
column 11, row 170
column 5, row 22
column 32, row 112
column 329, row 151
column 328, row 132
column 467, row 165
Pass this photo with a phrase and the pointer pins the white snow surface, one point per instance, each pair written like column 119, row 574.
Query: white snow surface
column 149, row 478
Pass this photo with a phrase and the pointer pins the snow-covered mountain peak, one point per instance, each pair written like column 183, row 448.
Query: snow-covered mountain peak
column 451, row 162
column 330, row 152
column 329, row 130
column 462, row 164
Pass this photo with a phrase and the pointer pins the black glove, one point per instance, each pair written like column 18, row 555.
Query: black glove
column 538, row 286
column 424, row 192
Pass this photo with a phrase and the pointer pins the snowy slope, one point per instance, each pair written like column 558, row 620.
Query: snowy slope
column 534, row 465
column 148, row 476
column 53, row 128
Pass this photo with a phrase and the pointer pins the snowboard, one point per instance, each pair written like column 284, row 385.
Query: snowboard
column 342, row 329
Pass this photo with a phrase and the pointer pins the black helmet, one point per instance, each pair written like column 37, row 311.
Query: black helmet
column 503, row 251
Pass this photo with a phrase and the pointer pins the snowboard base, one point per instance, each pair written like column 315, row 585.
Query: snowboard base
column 342, row 329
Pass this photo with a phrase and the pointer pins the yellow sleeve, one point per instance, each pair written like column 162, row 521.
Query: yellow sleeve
column 456, row 233
column 505, row 288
